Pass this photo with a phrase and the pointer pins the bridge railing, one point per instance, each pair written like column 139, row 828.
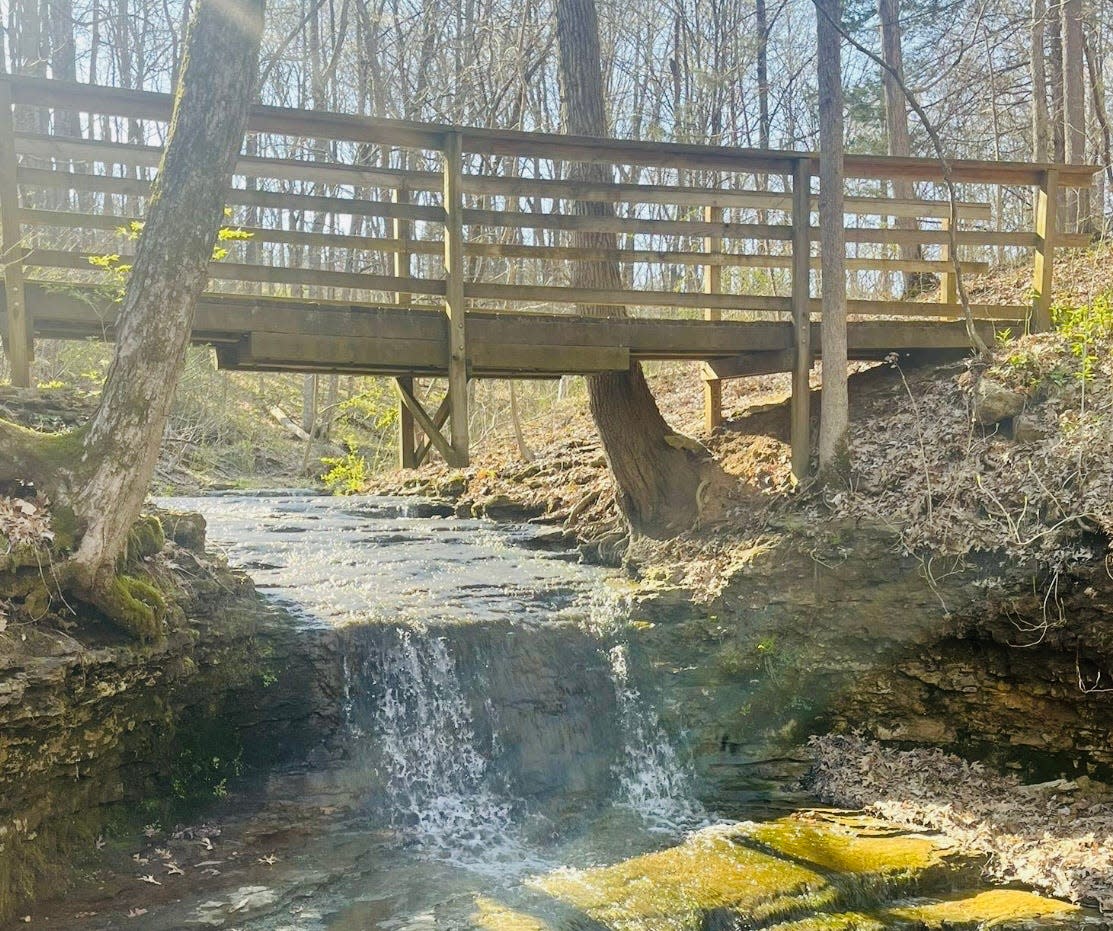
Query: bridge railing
column 384, row 212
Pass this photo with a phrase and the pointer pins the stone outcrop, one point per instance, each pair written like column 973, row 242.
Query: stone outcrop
column 94, row 727
column 843, row 633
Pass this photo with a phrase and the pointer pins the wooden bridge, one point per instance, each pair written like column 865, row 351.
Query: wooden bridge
column 415, row 250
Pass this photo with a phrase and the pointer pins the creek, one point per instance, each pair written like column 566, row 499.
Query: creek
column 501, row 762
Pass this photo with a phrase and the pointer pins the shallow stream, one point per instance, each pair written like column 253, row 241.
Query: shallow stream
column 502, row 766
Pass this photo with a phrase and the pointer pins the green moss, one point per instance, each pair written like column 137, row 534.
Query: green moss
column 492, row 915
column 842, row 921
column 803, row 874
column 33, row 860
column 146, row 538
column 135, row 606
column 830, row 849
column 63, row 523
column 677, row 887
column 994, row 909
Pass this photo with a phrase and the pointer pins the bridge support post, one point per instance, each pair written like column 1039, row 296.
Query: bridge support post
column 18, row 339
column 712, row 284
column 431, row 426
column 800, row 415
column 454, row 304
column 1047, row 195
column 948, row 287
column 407, row 449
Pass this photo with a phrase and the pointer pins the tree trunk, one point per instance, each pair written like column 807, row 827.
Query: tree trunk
column 896, row 125
column 63, row 61
column 763, row 74
column 1055, row 76
column 835, row 409
column 1103, row 135
column 1074, row 109
column 26, row 50
column 657, row 472
column 1041, row 130
column 119, row 447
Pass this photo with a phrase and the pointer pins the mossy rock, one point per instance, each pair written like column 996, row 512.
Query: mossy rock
column 145, row 539
column 996, row 908
column 185, row 528
column 812, row 873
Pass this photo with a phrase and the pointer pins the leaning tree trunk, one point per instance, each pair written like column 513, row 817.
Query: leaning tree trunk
column 658, row 473
column 120, row 446
column 835, row 407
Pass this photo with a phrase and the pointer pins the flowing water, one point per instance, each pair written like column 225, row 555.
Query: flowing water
column 502, row 764
column 493, row 720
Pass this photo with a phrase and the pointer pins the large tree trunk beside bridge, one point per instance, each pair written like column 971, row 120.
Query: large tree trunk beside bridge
column 658, row 472
column 102, row 472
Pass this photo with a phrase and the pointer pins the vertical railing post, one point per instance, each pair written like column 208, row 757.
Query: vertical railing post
column 1047, row 194
column 407, row 447
column 948, row 287
column 712, row 284
column 800, row 431
column 454, row 295
column 18, row 335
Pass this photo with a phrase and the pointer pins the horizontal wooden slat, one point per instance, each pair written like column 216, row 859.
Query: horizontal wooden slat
column 522, row 220
column 929, row 309
column 712, row 197
column 280, row 169
column 694, row 228
column 525, row 188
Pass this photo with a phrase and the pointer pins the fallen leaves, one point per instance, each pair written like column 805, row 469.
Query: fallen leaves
column 24, row 523
column 1056, row 836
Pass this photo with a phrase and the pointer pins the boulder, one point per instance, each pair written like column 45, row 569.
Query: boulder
column 993, row 402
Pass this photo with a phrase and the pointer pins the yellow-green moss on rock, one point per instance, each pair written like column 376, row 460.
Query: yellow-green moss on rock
column 996, row 908
column 801, row 873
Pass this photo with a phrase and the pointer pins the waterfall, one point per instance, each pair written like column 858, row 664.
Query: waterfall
column 652, row 779
column 438, row 783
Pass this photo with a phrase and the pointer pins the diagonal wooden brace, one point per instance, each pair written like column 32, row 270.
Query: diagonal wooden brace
column 440, row 418
column 428, row 426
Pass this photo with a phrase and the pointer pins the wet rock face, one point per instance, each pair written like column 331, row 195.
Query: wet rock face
column 846, row 634
column 540, row 701
column 94, row 726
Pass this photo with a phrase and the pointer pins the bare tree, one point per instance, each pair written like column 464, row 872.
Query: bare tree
column 657, row 472
column 1074, row 107
column 896, row 120
column 99, row 474
column 835, row 405
column 1041, row 130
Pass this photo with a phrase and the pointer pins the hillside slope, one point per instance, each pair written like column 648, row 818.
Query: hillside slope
column 1009, row 454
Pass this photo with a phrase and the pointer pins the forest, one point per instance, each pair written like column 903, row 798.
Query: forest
column 556, row 464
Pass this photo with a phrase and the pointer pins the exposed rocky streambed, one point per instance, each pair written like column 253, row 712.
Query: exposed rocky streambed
column 432, row 722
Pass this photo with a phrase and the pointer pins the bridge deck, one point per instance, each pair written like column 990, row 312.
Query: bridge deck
column 282, row 334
